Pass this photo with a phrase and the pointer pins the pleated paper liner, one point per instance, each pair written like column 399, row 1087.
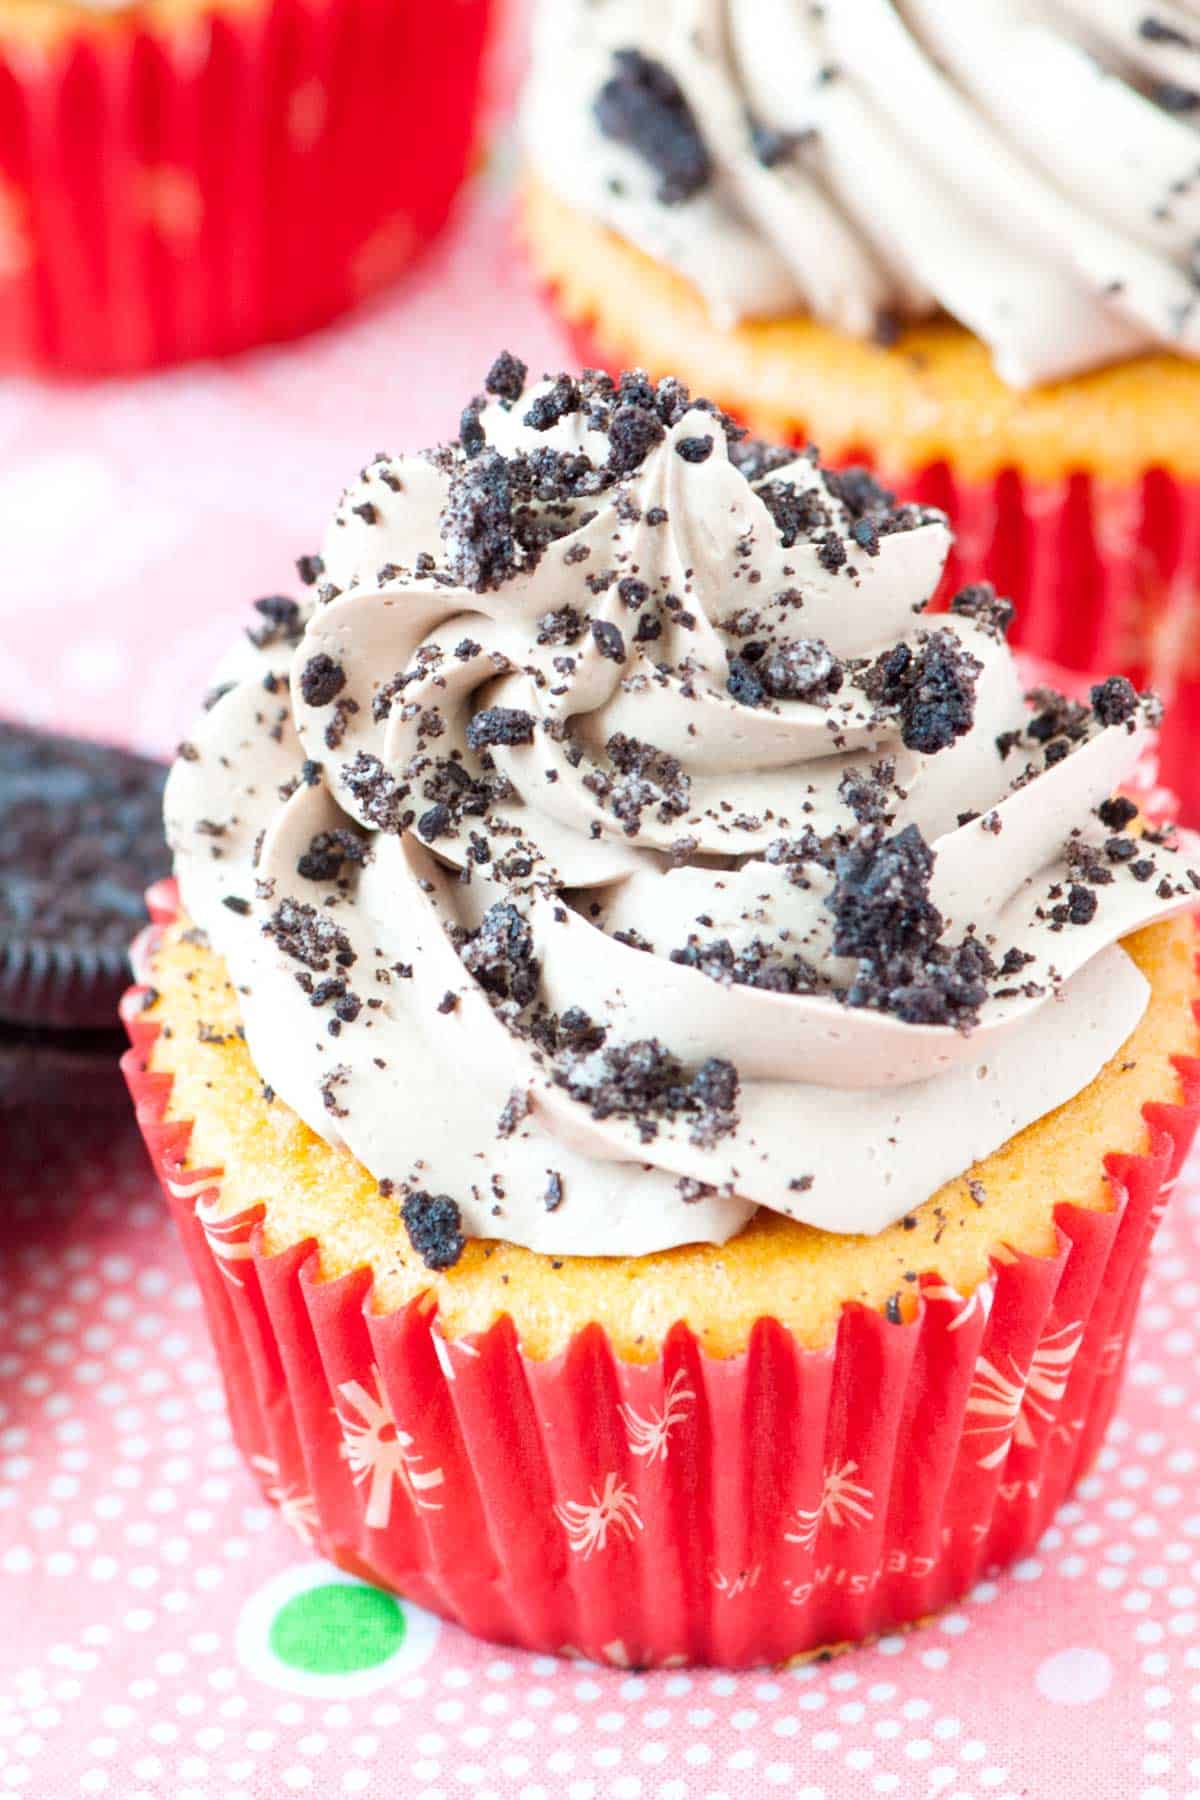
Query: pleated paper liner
column 1106, row 575
column 238, row 174
column 689, row 1510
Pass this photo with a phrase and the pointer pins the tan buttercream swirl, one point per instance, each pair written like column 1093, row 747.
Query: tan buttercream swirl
column 846, row 1116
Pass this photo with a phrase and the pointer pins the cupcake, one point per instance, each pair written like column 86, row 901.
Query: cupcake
column 957, row 242
column 666, row 1062
column 185, row 178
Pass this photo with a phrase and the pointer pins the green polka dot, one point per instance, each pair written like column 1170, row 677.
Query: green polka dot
column 337, row 1628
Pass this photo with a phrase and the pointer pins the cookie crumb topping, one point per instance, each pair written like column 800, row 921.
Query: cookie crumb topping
column 642, row 106
column 434, row 1226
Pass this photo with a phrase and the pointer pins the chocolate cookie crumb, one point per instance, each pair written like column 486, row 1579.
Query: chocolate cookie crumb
column 632, row 433
column 608, row 640
column 556, row 403
column 932, row 689
column 694, row 449
column 885, row 919
column 499, row 725
column 518, row 1106
column 500, row 954
column 434, row 1226
column 477, row 525
column 321, row 680
column 981, row 603
column 506, row 377
column 801, row 669
column 1114, row 701
column 642, row 106
column 282, row 622
column 645, row 1082
column 309, row 937
column 1118, row 812
column 328, row 851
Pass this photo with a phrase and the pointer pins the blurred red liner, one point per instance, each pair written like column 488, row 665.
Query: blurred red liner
column 170, row 191
column 689, row 1510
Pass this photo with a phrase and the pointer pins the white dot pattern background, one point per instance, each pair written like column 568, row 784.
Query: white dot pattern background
column 139, row 1569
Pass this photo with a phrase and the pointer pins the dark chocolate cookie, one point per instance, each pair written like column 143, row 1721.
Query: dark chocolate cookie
column 80, row 841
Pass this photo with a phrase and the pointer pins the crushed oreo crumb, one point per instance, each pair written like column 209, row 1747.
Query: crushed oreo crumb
column 932, row 689
column 499, row 953
column 608, row 640
column 802, row 669
column 1114, row 701
column 321, row 680
column 755, row 965
column 645, row 777
column 632, row 433
column 282, row 622
column 518, row 1106
column 499, row 725
column 645, row 1082
column 434, row 1226
column 885, row 919
column 1118, row 812
column 694, row 449
column 329, row 851
column 506, row 377
column 311, row 938
column 642, row 106
column 981, row 603
column 477, row 525
column 559, row 400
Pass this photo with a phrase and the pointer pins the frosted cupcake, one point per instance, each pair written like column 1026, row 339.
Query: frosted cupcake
column 956, row 241
column 185, row 178
column 666, row 1061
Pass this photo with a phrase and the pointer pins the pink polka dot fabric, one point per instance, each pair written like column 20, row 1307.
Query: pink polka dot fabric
column 164, row 1633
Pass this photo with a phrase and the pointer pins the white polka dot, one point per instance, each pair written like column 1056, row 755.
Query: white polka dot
column 1074, row 1677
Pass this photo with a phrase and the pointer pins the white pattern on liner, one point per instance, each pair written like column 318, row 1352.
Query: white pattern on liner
column 381, row 1455
column 650, row 1435
column 843, row 1501
column 609, row 1508
column 1009, row 1403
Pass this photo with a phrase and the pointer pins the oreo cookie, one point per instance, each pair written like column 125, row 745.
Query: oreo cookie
column 80, row 841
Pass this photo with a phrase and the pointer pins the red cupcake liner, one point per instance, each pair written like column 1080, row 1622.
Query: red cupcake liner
column 242, row 176
column 691, row 1509
column 1106, row 575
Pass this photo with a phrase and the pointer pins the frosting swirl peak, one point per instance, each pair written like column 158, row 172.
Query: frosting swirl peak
column 610, row 846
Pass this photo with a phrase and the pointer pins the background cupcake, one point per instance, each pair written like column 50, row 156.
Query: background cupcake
column 183, row 179
column 959, row 243
column 645, row 1069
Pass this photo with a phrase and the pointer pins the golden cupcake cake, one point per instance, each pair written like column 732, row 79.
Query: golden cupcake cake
column 666, row 1058
column 957, row 241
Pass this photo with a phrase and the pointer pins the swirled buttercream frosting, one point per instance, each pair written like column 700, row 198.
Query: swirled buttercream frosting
column 1030, row 167
column 609, row 844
